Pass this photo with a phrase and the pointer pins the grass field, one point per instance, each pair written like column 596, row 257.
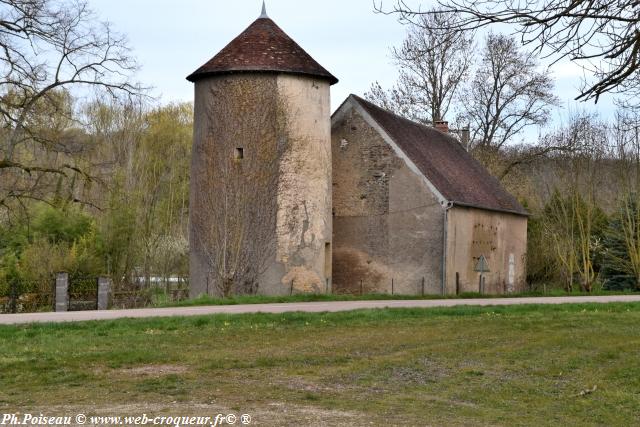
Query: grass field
column 517, row 365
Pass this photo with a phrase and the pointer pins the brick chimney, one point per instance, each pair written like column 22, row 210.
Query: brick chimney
column 442, row 126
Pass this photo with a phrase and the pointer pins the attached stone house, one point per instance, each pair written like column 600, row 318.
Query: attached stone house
column 285, row 198
column 413, row 211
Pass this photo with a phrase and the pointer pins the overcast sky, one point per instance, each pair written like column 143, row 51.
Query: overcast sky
column 172, row 38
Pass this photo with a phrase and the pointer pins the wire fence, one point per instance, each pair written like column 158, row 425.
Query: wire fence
column 392, row 286
column 21, row 296
column 138, row 293
column 83, row 293
column 24, row 296
column 34, row 296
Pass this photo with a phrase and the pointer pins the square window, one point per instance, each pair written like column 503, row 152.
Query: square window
column 239, row 153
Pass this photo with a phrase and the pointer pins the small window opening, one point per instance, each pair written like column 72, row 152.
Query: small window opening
column 327, row 259
column 239, row 154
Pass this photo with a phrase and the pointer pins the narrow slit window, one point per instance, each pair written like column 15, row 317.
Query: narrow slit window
column 239, row 153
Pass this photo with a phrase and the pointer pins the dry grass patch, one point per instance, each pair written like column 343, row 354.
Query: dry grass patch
column 152, row 370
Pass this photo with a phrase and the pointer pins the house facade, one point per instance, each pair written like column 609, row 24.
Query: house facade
column 413, row 212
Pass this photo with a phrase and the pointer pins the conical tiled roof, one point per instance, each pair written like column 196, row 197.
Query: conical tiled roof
column 262, row 47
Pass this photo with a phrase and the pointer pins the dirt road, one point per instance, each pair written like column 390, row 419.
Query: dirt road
column 311, row 307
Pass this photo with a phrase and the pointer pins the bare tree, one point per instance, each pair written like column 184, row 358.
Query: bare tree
column 602, row 36
column 47, row 49
column 573, row 220
column 432, row 65
column 235, row 213
column 507, row 94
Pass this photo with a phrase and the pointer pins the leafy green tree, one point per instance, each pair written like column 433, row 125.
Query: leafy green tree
column 119, row 246
column 51, row 240
column 59, row 224
column 144, row 217
column 161, row 166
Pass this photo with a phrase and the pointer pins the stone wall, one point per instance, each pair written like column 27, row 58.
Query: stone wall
column 500, row 237
column 276, row 200
column 387, row 224
column 304, row 225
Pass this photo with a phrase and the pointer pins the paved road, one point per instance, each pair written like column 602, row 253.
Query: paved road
column 310, row 307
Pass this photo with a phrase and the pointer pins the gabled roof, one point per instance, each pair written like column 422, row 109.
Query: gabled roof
column 449, row 169
column 262, row 47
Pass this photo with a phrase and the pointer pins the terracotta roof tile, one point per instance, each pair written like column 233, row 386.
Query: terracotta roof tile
column 459, row 177
column 262, row 47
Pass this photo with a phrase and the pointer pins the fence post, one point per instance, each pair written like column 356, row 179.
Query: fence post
column 104, row 287
column 62, row 292
column 291, row 293
column 423, row 286
column 13, row 302
column 392, row 290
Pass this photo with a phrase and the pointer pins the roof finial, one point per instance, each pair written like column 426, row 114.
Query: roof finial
column 264, row 11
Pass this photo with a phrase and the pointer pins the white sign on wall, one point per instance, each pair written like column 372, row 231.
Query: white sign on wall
column 512, row 272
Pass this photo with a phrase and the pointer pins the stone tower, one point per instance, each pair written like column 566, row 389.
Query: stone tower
column 260, row 196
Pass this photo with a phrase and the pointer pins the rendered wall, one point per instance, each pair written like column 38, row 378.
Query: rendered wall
column 500, row 237
column 278, row 194
column 387, row 224
column 304, row 225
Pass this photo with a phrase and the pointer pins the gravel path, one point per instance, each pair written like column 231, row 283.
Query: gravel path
column 310, row 307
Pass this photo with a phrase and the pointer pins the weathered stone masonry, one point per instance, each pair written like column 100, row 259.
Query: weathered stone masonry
column 262, row 111
column 387, row 224
column 393, row 224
